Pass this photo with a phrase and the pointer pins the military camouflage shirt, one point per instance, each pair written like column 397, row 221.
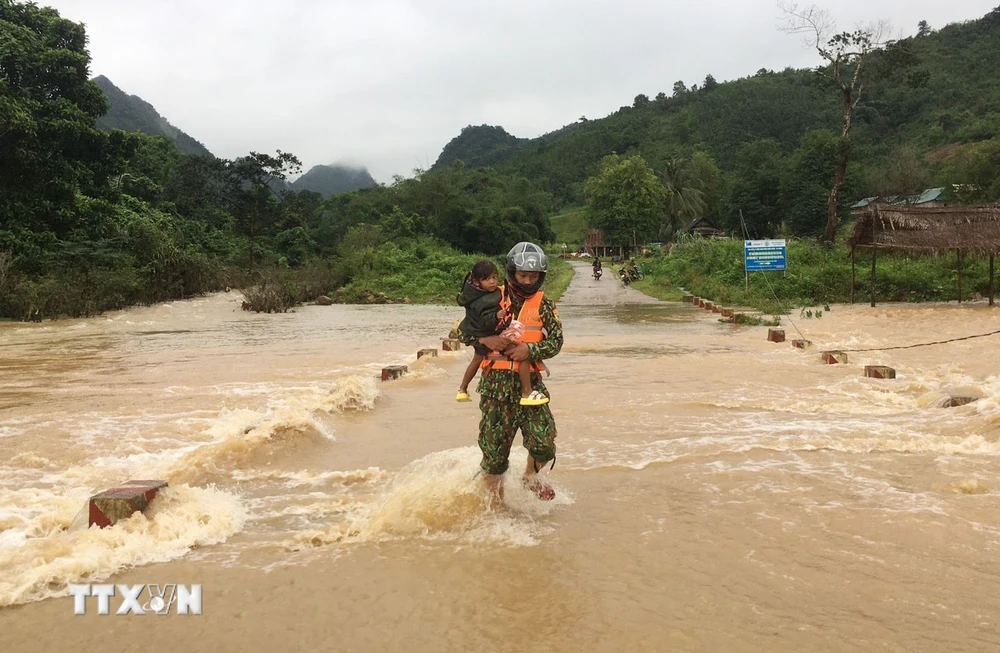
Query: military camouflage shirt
column 500, row 383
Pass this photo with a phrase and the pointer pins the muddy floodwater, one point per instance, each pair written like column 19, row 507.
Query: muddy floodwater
column 715, row 491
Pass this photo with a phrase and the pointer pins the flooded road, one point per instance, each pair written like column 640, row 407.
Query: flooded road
column 716, row 492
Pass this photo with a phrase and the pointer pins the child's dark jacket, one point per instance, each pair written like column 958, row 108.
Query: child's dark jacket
column 480, row 311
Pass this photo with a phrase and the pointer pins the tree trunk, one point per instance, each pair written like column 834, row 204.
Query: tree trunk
column 841, row 172
column 831, row 203
column 252, row 232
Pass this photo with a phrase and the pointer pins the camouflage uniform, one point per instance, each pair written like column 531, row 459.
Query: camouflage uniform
column 500, row 396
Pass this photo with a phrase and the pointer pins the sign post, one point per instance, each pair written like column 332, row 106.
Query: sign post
column 764, row 256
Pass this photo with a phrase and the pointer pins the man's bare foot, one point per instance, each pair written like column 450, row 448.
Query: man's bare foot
column 539, row 488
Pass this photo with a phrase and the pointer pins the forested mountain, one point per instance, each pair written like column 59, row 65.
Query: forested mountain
column 131, row 113
column 480, row 146
column 333, row 179
column 937, row 92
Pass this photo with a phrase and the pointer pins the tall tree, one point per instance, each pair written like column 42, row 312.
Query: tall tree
column 804, row 179
column 685, row 199
column 50, row 148
column 254, row 180
column 625, row 200
column 845, row 54
column 709, row 179
column 754, row 194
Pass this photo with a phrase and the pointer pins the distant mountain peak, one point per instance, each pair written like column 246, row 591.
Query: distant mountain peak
column 133, row 114
column 479, row 145
column 334, row 179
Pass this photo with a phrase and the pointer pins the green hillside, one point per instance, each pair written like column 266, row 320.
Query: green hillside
column 131, row 113
column 569, row 227
column 937, row 93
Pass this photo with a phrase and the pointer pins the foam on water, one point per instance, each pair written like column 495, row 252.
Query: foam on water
column 41, row 555
column 440, row 497
column 39, row 551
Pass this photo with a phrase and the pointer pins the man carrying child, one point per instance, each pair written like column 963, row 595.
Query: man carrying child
column 500, row 389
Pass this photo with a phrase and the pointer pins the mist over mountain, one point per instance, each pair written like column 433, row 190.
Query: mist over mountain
column 131, row 113
column 333, row 179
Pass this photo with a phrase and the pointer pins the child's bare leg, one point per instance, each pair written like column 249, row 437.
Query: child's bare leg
column 470, row 372
column 524, row 371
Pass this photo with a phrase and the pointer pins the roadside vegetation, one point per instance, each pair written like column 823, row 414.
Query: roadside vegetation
column 817, row 275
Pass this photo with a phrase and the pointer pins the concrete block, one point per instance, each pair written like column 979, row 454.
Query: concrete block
column 833, row 357
column 776, row 335
column 708, row 305
column 688, row 299
column 393, row 372
column 802, row 344
column 118, row 503
column 958, row 400
column 727, row 312
column 450, row 344
column 879, row 372
column 427, row 352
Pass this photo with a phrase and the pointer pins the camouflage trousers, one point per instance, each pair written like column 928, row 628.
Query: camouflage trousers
column 502, row 416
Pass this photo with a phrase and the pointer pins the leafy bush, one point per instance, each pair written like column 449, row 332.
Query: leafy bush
column 273, row 294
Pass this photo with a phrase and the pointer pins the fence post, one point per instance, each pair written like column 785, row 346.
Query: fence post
column 874, row 252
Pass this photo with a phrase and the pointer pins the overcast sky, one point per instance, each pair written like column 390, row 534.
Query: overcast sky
column 387, row 83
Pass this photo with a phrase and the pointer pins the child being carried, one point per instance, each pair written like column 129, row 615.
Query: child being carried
column 484, row 316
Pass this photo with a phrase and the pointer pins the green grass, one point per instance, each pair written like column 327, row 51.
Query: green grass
column 570, row 227
column 817, row 275
column 424, row 271
column 558, row 278
column 659, row 287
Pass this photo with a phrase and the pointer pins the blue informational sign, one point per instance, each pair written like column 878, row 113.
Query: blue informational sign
column 764, row 255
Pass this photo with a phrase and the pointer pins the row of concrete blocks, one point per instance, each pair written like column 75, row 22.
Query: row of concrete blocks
column 708, row 306
column 712, row 306
column 111, row 506
column 836, row 357
column 395, row 371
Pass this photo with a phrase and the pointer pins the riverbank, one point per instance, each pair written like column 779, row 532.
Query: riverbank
column 420, row 272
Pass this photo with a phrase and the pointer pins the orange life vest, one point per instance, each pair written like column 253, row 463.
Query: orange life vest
column 534, row 331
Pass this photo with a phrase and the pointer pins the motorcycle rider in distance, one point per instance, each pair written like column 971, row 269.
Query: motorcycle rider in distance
column 633, row 270
column 598, row 268
column 629, row 272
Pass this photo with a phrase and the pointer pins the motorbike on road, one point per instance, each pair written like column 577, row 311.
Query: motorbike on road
column 628, row 276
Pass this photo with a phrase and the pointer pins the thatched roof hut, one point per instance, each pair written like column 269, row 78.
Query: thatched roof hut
column 929, row 229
